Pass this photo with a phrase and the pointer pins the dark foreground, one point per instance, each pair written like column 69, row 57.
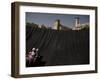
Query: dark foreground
column 58, row 47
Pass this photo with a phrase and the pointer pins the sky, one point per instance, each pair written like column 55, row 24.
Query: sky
column 48, row 19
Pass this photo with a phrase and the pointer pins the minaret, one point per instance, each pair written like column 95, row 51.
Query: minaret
column 77, row 22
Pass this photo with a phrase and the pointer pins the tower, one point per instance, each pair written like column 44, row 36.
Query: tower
column 77, row 22
column 57, row 25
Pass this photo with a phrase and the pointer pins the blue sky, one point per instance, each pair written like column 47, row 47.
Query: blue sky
column 49, row 18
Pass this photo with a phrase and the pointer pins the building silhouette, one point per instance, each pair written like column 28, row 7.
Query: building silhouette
column 59, row 26
column 79, row 26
